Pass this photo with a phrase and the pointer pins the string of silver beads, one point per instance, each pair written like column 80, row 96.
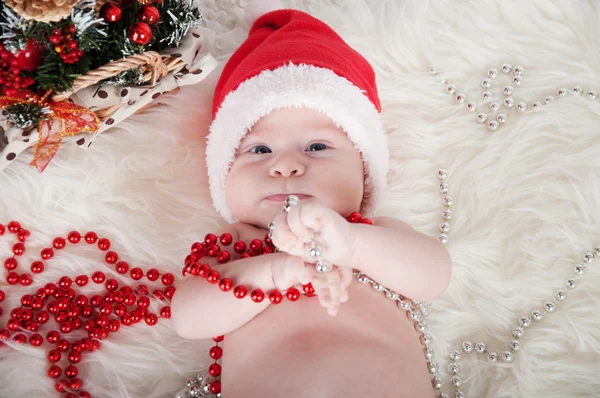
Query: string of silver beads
column 515, row 341
column 496, row 114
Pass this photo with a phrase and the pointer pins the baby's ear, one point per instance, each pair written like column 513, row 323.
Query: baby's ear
column 257, row 8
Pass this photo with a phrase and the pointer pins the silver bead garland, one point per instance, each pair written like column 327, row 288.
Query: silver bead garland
column 494, row 120
column 515, row 343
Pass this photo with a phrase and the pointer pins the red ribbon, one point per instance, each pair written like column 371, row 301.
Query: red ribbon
column 61, row 119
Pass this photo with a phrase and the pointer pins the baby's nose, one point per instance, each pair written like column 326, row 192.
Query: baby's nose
column 287, row 168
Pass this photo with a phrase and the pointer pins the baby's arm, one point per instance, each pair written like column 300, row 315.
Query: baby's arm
column 400, row 258
column 201, row 310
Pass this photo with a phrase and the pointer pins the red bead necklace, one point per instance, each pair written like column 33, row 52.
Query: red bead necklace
column 101, row 315
column 209, row 247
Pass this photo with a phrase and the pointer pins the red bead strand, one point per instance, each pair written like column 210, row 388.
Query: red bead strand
column 101, row 315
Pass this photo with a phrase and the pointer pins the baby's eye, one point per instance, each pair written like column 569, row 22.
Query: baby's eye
column 260, row 149
column 316, row 147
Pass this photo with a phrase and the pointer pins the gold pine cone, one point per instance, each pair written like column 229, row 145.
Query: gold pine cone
column 42, row 10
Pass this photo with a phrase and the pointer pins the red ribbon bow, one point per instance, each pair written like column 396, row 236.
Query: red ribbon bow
column 62, row 119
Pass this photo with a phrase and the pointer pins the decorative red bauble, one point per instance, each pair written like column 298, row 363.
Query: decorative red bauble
column 226, row 239
column 114, row 325
column 22, row 235
column 223, row 257
column 129, row 299
column 215, row 352
column 71, row 371
column 149, row 14
column 136, row 273
column 10, row 263
column 255, row 244
column 309, row 290
column 74, row 357
column 75, row 384
column 213, row 250
column 122, row 267
column 81, row 280
column 111, row 285
column 52, row 336
column 169, row 292
column 152, row 274
column 42, row 317
column 2, row 296
column 2, row 229
column 14, row 227
column 74, row 237
column 210, row 239
column 240, row 292
column 59, row 243
column 275, row 297
column 90, row 237
column 214, row 370
column 54, row 372
column 98, row 277
column 165, row 312
column 54, row 356
column 292, row 294
column 140, row 33
column 225, row 284
column 213, row 277
column 64, row 282
column 257, row 295
column 25, row 279
column 215, row 387
column 18, row 249
column 47, row 253
column 103, row 244
column 111, row 12
column 151, row 319
column 37, row 303
column 111, row 257
column 239, row 247
column 36, row 340
column 63, row 345
column 167, row 279
column 12, row 278
column 143, row 302
column 37, row 267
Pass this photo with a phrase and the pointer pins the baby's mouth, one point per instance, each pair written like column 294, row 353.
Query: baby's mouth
column 282, row 196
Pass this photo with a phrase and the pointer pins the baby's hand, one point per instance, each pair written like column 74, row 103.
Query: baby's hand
column 312, row 220
column 289, row 271
column 331, row 288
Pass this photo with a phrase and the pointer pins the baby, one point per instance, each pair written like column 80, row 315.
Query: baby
column 296, row 112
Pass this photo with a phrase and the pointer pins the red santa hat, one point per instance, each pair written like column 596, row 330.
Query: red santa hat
column 291, row 59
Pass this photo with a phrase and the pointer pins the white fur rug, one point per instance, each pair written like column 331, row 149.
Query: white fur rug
column 526, row 197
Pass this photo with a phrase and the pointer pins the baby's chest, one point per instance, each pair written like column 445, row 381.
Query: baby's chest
column 369, row 336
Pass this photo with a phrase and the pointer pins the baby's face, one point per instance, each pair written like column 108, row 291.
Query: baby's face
column 294, row 151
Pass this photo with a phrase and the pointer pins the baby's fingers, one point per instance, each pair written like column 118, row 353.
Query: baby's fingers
column 335, row 291
column 346, row 279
